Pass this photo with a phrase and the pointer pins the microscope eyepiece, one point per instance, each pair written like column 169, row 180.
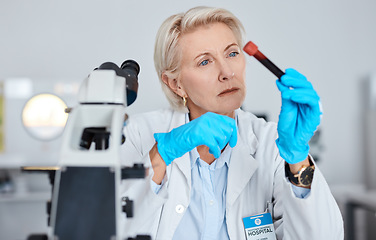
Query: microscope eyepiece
column 109, row 66
column 129, row 70
column 132, row 69
column 130, row 64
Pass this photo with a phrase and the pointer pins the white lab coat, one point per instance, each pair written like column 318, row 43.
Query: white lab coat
column 255, row 176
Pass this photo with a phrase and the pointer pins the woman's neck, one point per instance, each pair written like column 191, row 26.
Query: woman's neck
column 194, row 115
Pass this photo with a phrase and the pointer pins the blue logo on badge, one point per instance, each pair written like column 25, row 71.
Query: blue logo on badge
column 257, row 221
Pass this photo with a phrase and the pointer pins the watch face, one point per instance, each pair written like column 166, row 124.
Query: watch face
column 306, row 176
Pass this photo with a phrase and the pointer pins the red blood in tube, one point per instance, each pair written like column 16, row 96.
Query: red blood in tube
column 250, row 48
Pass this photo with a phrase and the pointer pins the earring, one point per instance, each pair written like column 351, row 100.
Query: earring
column 184, row 101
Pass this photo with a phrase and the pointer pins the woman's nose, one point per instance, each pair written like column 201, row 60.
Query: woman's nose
column 226, row 72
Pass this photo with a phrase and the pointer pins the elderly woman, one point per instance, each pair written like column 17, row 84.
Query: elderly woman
column 212, row 164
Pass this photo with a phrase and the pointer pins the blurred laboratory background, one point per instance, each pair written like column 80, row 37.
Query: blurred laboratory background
column 49, row 47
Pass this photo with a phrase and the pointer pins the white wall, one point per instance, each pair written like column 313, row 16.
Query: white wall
column 331, row 42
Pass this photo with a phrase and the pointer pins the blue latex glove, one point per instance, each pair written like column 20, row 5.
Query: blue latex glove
column 299, row 118
column 210, row 129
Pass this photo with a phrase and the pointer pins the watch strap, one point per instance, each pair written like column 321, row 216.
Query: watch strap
column 294, row 178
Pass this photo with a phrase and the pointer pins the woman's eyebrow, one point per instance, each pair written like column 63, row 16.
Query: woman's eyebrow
column 207, row 53
column 230, row 45
column 202, row 54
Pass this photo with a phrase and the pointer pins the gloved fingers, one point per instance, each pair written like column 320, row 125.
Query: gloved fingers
column 287, row 129
column 294, row 79
column 224, row 129
column 215, row 152
column 312, row 116
column 219, row 137
column 281, row 86
column 302, row 96
column 157, row 136
column 223, row 135
column 218, row 143
column 231, row 132
column 213, row 146
column 214, row 137
column 233, row 138
column 288, row 114
column 288, row 117
column 215, row 143
column 210, row 129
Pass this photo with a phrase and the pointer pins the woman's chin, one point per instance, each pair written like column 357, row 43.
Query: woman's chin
column 228, row 108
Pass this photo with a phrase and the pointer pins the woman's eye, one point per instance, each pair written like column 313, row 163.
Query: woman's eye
column 203, row 63
column 233, row 54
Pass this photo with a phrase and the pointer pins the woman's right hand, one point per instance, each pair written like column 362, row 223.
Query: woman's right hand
column 210, row 129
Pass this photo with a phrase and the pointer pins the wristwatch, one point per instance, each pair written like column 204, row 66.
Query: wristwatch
column 304, row 177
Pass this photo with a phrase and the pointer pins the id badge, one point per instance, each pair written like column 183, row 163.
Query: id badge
column 259, row 227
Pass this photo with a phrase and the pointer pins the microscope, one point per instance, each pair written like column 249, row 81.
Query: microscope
column 86, row 200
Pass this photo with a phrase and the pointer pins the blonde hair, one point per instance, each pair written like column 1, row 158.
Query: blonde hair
column 166, row 52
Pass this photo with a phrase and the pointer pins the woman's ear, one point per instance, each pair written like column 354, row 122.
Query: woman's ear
column 173, row 84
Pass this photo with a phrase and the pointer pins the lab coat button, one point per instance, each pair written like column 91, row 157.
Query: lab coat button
column 179, row 208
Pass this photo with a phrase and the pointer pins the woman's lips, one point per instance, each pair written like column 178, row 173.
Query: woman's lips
column 228, row 91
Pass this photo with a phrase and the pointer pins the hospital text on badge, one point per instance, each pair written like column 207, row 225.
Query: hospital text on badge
column 259, row 227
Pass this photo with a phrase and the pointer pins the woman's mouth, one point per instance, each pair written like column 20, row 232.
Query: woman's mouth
column 228, row 92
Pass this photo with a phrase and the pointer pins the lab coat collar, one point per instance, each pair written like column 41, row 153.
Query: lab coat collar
column 223, row 159
column 243, row 164
column 242, row 167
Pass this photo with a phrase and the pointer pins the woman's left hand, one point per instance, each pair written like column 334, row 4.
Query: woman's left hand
column 299, row 117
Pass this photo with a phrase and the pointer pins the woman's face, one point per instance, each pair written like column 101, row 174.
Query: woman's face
column 212, row 71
